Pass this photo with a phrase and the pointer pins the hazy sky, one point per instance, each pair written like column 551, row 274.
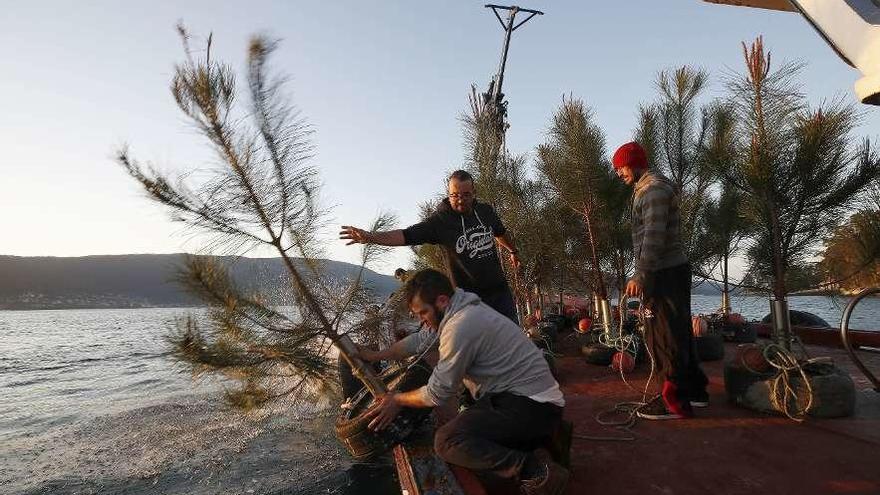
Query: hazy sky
column 383, row 83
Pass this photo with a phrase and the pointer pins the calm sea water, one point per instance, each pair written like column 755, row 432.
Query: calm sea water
column 92, row 403
column 865, row 317
column 71, row 379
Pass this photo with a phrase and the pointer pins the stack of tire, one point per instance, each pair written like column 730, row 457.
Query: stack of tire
column 599, row 354
column 707, row 337
column 352, row 424
column 749, row 381
column 592, row 349
column 736, row 329
column 747, row 367
column 586, row 333
column 545, row 334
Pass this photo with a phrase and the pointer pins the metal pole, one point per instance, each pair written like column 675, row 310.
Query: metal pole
column 844, row 336
column 725, row 303
column 781, row 322
column 499, row 78
column 509, row 28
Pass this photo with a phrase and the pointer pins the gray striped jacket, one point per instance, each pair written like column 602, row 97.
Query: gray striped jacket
column 655, row 226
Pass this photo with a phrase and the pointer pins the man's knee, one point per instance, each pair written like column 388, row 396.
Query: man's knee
column 448, row 440
column 444, row 440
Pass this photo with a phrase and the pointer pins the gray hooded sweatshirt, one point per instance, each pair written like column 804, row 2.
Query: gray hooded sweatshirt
column 487, row 352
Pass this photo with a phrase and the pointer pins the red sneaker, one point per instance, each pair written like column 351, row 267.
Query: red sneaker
column 656, row 409
column 667, row 405
column 675, row 403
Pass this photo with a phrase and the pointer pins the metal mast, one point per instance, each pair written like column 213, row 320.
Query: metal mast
column 493, row 99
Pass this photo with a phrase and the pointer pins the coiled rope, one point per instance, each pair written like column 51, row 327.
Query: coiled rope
column 628, row 409
column 783, row 395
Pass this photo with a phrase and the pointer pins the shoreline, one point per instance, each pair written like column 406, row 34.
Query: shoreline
column 61, row 307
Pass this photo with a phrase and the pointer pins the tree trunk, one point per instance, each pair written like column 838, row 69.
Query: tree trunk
column 725, row 291
column 591, row 240
column 782, row 321
column 540, row 298
column 561, row 289
column 346, row 347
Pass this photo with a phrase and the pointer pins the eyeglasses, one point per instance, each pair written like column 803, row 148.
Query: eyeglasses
column 466, row 195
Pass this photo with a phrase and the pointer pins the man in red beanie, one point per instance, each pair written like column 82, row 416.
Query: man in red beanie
column 663, row 280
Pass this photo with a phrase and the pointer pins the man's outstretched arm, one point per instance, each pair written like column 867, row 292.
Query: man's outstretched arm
column 389, row 406
column 398, row 351
column 355, row 235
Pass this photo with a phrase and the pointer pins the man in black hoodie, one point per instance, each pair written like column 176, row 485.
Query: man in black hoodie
column 467, row 230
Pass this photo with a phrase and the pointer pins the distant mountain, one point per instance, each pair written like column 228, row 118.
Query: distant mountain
column 706, row 288
column 139, row 280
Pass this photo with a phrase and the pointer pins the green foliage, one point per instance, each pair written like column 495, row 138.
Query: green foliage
column 618, row 259
column 851, row 258
column 262, row 191
column 574, row 166
column 673, row 130
column 429, row 255
column 797, row 167
column 501, row 180
column 722, row 228
column 485, row 156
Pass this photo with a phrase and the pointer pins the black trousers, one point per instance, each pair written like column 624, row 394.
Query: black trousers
column 502, row 301
column 497, row 434
column 670, row 292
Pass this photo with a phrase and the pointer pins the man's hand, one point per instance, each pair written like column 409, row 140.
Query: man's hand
column 633, row 288
column 355, row 235
column 385, row 410
column 514, row 260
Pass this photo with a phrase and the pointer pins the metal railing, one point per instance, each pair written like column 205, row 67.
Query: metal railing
column 844, row 335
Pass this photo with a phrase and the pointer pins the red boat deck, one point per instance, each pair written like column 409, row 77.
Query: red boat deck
column 725, row 449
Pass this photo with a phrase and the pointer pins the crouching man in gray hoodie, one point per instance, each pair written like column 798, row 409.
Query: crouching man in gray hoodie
column 518, row 402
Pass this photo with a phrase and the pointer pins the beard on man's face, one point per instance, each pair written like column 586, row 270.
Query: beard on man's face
column 438, row 315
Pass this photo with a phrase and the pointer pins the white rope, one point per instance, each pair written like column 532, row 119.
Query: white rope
column 630, row 409
column 781, row 388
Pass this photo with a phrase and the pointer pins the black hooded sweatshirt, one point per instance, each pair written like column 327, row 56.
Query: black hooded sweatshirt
column 469, row 243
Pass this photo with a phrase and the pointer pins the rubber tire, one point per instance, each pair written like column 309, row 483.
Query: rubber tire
column 548, row 331
column 743, row 333
column 349, row 384
column 351, row 425
column 800, row 319
column 710, row 347
column 587, row 339
column 560, row 321
column 551, row 363
column 738, row 379
column 598, row 354
column 641, row 353
column 540, row 343
column 834, row 393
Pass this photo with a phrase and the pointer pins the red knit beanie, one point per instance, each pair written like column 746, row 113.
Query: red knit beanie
column 630, row 155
